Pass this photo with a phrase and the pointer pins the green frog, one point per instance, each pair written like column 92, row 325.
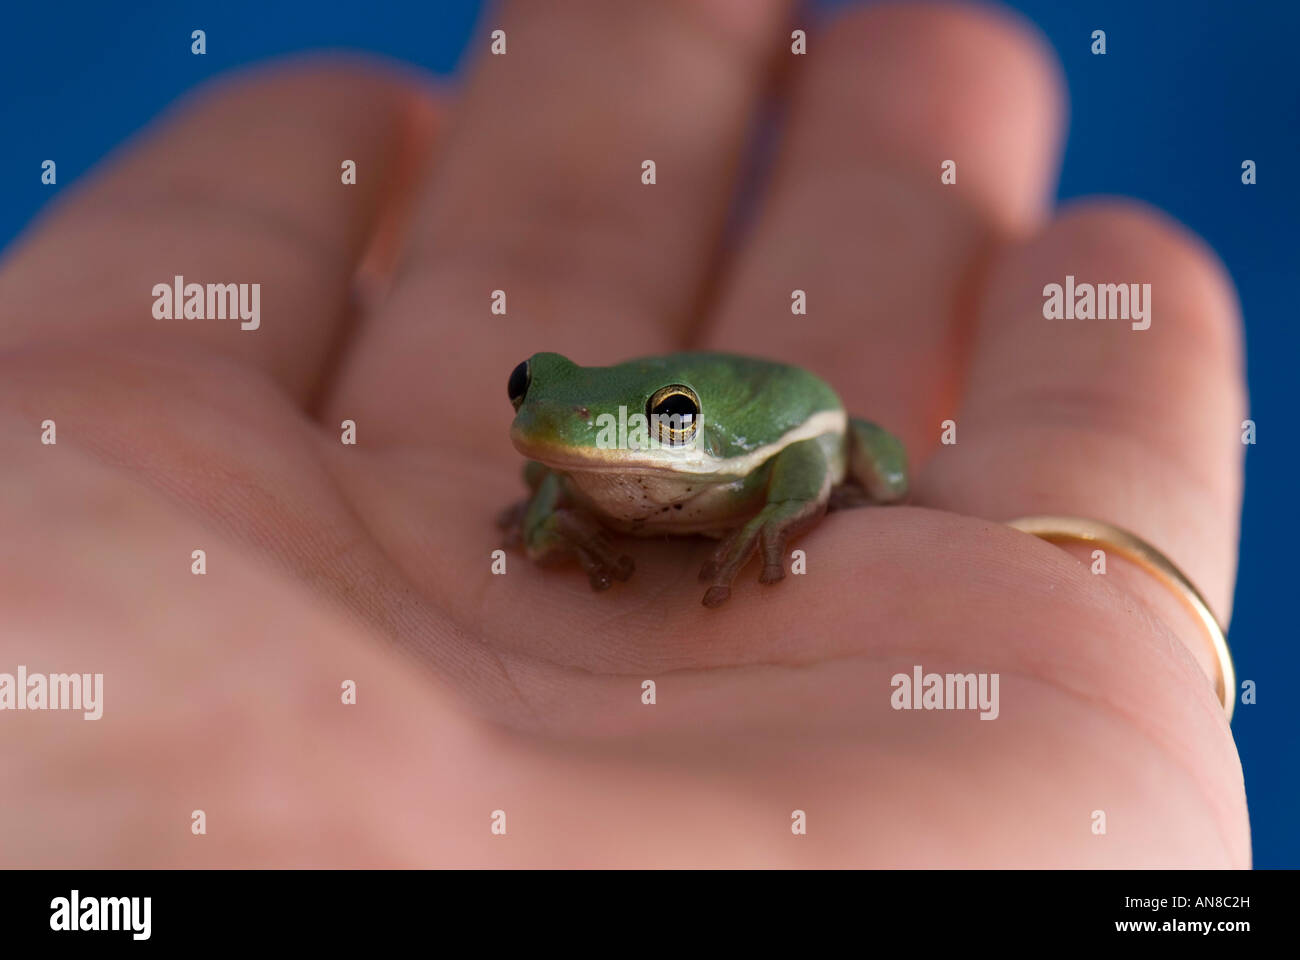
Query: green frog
column 747, row 451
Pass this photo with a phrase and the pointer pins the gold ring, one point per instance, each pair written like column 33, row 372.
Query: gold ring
column 1059, row 529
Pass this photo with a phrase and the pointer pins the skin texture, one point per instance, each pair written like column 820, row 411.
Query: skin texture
column 522, row 693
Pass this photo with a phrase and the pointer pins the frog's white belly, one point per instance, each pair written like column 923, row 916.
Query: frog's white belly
column 650, row 504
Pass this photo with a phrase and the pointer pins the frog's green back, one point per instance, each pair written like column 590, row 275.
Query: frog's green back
column 746, row 402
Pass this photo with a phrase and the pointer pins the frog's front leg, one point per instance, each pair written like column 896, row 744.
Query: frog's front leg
column 798, row 487
column 551, row 528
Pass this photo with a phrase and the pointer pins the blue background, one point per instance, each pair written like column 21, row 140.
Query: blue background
column 1186, row 91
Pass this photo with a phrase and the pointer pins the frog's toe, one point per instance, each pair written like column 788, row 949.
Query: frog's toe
column 511, row 522
column 716, row 595
column 767, row 535
column 847, row 496
column 599, row 575
column 623, row 568
column 727, row 561
column 772, row 544
column 603, row 571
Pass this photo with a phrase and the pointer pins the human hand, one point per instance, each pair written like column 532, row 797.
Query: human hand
column 329, row 562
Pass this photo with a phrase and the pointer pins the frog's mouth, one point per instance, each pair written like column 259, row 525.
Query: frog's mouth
column 655, row 460
column 691, row 459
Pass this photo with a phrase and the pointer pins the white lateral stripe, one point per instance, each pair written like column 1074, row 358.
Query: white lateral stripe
column 626, row 461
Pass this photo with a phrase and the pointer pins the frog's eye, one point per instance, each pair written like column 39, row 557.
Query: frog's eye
column 518, row 385
column 674, row 411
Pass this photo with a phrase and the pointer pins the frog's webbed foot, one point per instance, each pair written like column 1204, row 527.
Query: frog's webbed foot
column 848, row 495
column 551, row 529
column 765, row 534
column 566, row 531
column 511, row 520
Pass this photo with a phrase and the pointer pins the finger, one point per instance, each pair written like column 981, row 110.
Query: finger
column 858, row 218
column 1139, row 428
column 539, row 194
column 242, row 185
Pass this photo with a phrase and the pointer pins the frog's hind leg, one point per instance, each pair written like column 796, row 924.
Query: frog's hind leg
column 877, row 468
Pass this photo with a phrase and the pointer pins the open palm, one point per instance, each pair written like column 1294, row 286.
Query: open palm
column 329, row 562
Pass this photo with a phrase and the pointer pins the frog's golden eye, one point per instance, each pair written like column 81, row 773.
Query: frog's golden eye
column 520, row 378
column 674, row 411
